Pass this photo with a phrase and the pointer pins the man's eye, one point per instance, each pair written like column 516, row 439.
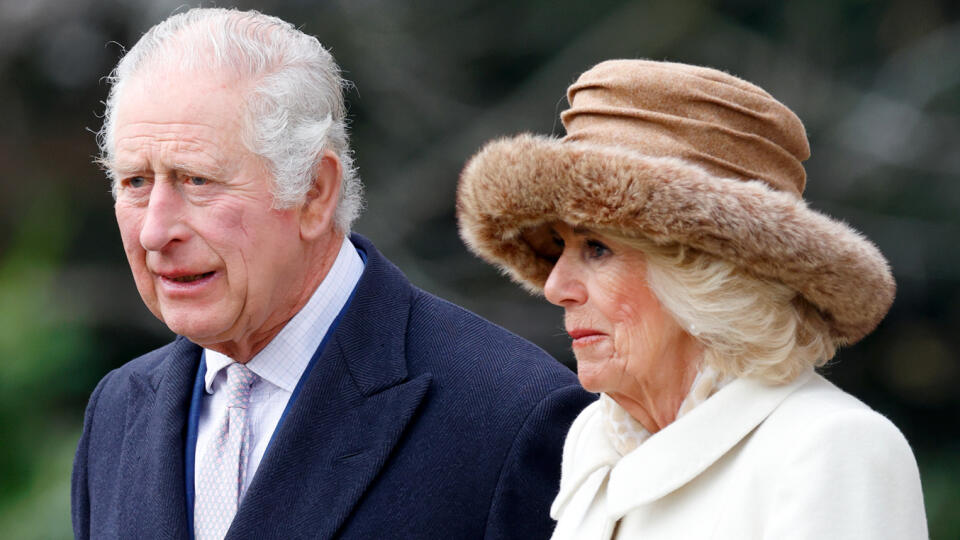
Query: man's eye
column 136, row 182
column 197, row 180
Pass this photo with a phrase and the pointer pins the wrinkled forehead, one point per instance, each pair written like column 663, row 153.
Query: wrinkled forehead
column 176, row 94
column 198, row 122
column 171, row 94
column 187, row 59
column 170, row 73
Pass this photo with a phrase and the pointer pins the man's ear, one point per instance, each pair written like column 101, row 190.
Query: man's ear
column 316, row 214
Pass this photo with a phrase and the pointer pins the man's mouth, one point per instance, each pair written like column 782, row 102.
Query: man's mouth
column 190, row 278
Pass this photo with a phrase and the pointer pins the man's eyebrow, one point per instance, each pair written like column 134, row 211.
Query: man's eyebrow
column 214, row 171
column 122, row 168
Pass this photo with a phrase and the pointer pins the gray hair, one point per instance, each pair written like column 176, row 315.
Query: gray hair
column 295, row 108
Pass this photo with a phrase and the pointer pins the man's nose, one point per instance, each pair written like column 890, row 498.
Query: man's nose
column 563, row 287
column 163, row 223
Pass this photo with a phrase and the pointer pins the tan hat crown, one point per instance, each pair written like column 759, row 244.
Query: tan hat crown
column 724, row 124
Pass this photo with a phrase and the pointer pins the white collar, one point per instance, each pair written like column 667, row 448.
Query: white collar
column 283, row 361
column 676, row 454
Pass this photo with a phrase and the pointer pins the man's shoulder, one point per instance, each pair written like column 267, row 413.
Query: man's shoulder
column 465, row 354
column 462, row 327
column 439, row 328
column 466, row 343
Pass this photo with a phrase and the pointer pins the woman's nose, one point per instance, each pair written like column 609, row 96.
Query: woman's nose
column 564, row 287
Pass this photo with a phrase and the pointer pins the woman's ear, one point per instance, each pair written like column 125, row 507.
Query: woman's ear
column 316, row 214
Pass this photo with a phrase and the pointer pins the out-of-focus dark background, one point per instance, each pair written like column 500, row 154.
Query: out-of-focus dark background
column 877, row 84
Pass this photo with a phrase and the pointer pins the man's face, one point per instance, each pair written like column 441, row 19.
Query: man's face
column 210, row 257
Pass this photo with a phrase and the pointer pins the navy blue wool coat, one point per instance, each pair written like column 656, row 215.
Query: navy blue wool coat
column 419, row 420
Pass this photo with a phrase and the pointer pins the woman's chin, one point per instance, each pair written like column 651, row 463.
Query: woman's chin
column 595, row 365
column 592, row 380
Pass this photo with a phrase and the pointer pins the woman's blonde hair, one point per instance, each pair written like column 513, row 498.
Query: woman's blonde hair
column 749, row 326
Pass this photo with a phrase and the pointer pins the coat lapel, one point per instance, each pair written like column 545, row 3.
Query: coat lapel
column 352, row 410
column 683, row 450
column 152, row 499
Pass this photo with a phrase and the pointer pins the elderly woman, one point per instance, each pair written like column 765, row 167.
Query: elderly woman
column 700, row 293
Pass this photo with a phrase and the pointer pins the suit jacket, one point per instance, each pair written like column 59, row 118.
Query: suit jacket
column 419, row 420
column 805, row 460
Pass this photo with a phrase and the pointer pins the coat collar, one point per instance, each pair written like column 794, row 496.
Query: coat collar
column 677, row 454
column 152, row 497
column 319, row 463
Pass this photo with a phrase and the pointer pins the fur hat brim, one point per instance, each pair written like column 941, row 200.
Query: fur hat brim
column 515, row 185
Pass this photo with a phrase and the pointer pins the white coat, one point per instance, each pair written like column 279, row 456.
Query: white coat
column 804, row 460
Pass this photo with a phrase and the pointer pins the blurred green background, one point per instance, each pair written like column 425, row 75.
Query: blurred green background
column 877, row 84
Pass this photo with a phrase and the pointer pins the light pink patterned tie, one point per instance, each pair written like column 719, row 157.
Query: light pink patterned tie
column 223, row 470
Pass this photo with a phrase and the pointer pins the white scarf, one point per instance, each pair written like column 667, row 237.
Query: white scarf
column 626, row 433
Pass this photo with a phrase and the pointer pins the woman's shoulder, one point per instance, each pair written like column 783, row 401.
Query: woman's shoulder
column 819, row 405
column 823, row 442
column 820, row 423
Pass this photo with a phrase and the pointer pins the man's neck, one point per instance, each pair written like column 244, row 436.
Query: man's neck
column 246, row 349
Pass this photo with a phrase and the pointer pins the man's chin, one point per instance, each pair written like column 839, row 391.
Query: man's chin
column 200, row 330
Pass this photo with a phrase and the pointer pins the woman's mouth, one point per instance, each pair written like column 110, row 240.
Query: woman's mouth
column 585, row 336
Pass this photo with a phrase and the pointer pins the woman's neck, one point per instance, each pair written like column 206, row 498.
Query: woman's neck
column 655, row 402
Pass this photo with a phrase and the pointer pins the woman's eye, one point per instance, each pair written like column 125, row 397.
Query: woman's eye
column 597, row 249
column 557, row 241
column 197, row 181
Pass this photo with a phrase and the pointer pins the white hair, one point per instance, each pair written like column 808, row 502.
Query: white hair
column 749, row 326
column 294, row 108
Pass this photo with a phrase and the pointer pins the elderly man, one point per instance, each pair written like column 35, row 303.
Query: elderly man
column 312, row 391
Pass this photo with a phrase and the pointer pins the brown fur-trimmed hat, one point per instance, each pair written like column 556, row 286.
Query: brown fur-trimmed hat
column 678, row 154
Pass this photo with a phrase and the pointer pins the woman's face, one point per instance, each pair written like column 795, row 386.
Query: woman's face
column 624, row 341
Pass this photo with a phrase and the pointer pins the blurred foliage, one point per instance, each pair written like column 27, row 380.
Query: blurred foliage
column 877, row 84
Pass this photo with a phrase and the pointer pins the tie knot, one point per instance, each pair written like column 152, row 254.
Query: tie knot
column 239, row 381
